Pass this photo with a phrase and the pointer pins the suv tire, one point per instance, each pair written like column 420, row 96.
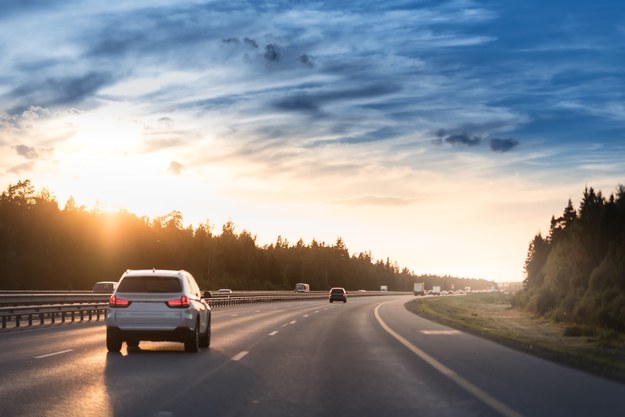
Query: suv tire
column 113, row 341
column 192, row 343
column 205, row 339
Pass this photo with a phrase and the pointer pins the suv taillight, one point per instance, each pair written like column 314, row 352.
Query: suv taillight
column 116, row 302
column 182, row 302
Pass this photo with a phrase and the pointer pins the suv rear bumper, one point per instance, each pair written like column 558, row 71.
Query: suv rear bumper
column 179, row 334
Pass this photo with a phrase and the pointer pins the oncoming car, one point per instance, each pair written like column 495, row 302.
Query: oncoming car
column 158, row 305
column 338, row 294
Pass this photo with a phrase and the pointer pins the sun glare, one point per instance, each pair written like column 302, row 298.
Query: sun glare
column 105, row 165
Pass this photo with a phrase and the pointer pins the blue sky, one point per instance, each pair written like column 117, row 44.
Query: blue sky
column 440, row 134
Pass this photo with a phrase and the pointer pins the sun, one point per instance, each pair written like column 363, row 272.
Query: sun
column 104, row 164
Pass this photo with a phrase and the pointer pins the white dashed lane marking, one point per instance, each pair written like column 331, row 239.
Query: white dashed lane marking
column 443, row 332
column 53, row 354
column 240, row 355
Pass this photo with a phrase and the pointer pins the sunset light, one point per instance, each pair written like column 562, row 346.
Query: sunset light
column 429, row 135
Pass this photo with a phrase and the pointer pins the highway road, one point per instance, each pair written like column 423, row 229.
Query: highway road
column 368, row 357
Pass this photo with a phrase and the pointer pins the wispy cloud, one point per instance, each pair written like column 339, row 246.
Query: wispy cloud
column 609, row 110
column 466, row 139
column 27, row 152
column 503, row 145
column 374, row 200
column 24, row 168
column 175, row 168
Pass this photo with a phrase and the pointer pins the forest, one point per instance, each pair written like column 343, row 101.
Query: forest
column 577, row 272
column 44, row 247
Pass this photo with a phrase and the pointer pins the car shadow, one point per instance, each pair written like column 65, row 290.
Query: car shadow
column 142, row 380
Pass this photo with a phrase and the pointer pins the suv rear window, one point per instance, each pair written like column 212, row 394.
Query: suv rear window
column 337, row 291
column 149, row 284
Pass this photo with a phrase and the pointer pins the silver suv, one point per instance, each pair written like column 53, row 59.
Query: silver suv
column 158, row 305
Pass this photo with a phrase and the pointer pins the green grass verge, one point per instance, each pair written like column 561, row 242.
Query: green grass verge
column 490, row 315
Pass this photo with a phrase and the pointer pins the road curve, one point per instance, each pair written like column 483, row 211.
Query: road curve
column 368, row 357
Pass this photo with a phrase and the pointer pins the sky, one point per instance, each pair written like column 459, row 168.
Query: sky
column 442, row 135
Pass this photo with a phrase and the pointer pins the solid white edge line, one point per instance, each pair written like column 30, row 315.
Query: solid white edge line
column 53, row 354
column 468, row 386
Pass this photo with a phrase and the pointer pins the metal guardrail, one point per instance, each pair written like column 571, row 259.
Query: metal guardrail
column 15, row 317
column 231, row 301
column 20, row 310
column 19, row 298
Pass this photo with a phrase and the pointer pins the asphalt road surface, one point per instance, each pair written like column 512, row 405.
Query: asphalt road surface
column 368, row 357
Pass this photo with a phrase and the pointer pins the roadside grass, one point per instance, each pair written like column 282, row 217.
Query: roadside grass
column 491, row 315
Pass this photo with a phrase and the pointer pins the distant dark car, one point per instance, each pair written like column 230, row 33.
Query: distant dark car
column 104, row 287
column 338, row 294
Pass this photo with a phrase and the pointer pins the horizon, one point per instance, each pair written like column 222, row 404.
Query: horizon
column 441, row 135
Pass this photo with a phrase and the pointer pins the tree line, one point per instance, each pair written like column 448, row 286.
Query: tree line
column 45, row 247
column 577, row 272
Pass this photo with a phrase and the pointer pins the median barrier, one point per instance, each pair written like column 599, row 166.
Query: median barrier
column 19, row 310
column 21, row 316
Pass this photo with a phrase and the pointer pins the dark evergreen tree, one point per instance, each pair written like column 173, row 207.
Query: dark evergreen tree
column 536, row 257
column 44, row 247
